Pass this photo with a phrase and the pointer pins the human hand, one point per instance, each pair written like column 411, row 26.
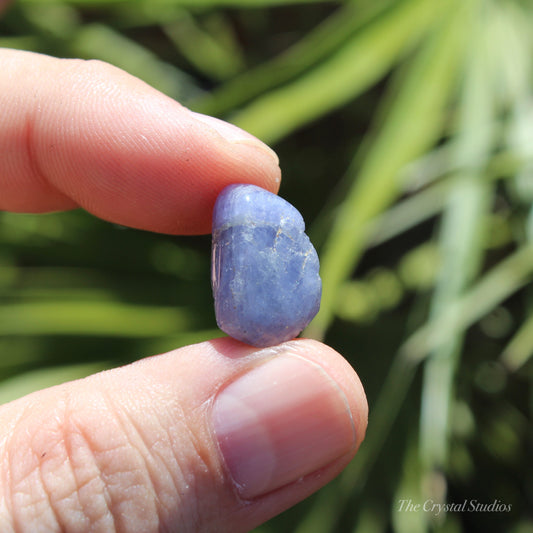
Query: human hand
column 216, row 436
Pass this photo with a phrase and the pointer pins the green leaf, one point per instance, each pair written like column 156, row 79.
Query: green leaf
column 414, row 123
column 326, row 39
column 492, row 289
column 347, row 73
column 520, row 348
column 462, row 238
column 211, row 53
column 105, row 318
column 190, row 3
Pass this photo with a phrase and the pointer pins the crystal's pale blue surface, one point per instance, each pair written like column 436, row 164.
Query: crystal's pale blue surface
column 264, row 268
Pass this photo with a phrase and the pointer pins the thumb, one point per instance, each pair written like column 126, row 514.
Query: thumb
column 212, row 437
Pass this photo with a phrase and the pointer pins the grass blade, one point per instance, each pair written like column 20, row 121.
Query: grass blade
column 314, row 47
column 91, row 318
column 211, row 53
column 414, row 123
column 502, row 281
column 520, row 348
column 462, row 242
column 353, row 68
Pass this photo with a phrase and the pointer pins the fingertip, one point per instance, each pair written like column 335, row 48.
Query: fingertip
column 299, row 411
column 93, row 136
column 330, row 362
column 344, row 375
column 234, row 134
column 215, row 436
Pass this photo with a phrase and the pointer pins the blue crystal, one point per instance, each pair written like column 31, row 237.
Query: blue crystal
column 264, row 268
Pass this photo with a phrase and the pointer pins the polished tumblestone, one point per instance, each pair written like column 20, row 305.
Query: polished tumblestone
column 264, row 268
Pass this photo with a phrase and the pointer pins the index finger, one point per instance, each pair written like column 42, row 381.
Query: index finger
column 85, row 134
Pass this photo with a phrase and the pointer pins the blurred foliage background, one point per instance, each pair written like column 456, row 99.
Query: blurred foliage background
column 405, row 133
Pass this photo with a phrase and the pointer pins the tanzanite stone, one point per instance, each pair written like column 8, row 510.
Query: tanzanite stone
column 264, row 268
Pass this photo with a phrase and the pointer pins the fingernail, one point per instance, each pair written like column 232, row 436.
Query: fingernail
column 234, row 134
column 282, row 420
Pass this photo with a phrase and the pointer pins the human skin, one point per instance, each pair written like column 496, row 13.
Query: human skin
column 217, row 436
